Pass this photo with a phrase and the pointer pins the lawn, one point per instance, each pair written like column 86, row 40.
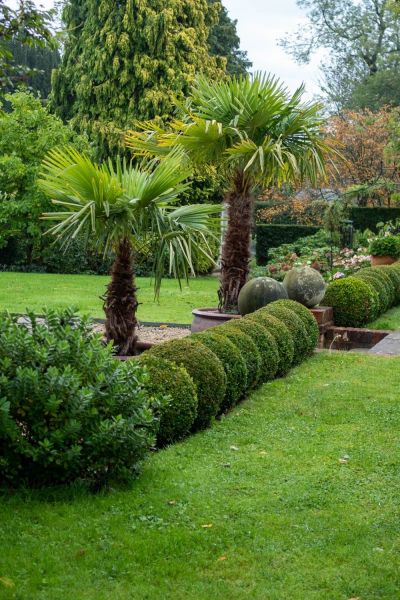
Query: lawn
column 21, row 290
column 389, row 320
column 293, row 495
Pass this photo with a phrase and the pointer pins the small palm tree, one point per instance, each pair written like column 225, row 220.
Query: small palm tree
column 123, row 208
column 257, row 135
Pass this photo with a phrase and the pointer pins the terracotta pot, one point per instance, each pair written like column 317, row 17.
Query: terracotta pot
column 205, row 318
column 382, row 260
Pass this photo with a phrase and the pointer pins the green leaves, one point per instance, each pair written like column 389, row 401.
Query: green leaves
column 248, row 124
column 114, row 202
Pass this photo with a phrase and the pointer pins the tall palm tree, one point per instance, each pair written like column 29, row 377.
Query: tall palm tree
column 258, row 135
column 124, row 207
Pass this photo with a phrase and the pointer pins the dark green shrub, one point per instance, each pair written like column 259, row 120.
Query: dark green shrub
column 179, row 412
column 391, row 287
column 382, row 294
column 232, row 361
column 308, row 319
column 385, row 246
column 68, row 409
column 282, row 336
column 205, row 369
column 265, row 343
column 353, row 301
column 383, row 286
column 369, row 217
column 394, row 274
column 248, row 351
column 295, row 326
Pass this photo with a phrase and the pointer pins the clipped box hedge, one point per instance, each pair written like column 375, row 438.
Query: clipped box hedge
column 363, row 297
column 271, row 236
column 227, row 362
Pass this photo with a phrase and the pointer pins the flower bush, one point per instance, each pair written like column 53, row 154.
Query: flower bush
column 314, row 251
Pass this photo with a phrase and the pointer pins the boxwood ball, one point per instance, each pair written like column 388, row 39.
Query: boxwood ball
column 259, row 292
column 305, row 285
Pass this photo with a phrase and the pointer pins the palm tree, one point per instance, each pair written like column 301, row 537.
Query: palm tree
column 123, row 208
column 257, row 135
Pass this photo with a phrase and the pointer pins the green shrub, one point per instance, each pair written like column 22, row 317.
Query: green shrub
column 390, row 286
column 382, row 296
column 295, row 326
column 248, row 351
column 282, row 336
column 178, row 414
column 265, row 343
column 385, row 246
column 308, row 319
column 353, row 301
column 383, row 286
column 394, row 274
column 68, row 409
column 232, row 361
column 205, row 369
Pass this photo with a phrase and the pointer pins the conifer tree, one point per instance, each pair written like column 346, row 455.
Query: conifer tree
column 127, row 60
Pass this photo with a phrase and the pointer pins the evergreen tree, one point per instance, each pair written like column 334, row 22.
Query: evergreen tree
column 36, row 66
column 127, row 60
column 224, row 41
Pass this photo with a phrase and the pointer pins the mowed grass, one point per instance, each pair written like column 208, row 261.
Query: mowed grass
column 294, row 495
column 389, row 320
column 19, row 291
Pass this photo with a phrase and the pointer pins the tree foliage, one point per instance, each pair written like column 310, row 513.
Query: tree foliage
column 362, row 39
column 27, row 132
column 224, row 41
column 125, row 207
column 128, row 60
column 26, row 25
column 366, row 165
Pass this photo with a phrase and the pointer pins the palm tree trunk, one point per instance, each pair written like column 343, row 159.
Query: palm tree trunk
column 236, row 255
column 120, row 302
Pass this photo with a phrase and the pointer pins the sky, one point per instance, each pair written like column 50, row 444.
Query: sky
column 260, row 25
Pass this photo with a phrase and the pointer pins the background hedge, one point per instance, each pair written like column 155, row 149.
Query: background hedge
column 271, row 236
column 368, row 218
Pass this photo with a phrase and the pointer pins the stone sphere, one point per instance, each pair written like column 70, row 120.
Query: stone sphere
column 259, row 292
column 305, row 285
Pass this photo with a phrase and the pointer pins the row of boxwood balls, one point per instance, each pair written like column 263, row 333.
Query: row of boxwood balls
column 361, row 298
column 207, row 373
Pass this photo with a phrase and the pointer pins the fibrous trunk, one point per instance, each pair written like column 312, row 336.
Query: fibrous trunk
column 235, row 258
column 120, row 302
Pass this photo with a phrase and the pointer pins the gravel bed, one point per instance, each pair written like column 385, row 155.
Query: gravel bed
column 156, row 335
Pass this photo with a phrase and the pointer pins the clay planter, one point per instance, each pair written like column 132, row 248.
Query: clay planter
column 376, row 261
column 205, row 318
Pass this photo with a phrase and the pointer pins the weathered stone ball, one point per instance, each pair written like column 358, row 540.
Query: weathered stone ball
column 305, row 285
column 259, row 292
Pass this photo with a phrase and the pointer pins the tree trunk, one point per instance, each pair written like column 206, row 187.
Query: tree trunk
column 120, row 302
column 236, row 253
